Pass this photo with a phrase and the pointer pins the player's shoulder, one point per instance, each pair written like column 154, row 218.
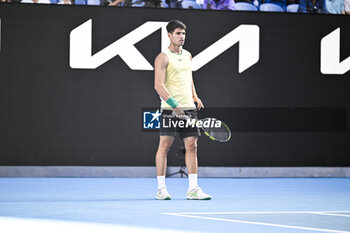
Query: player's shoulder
column 187, row 52
column 162, row 55
column 162, row 58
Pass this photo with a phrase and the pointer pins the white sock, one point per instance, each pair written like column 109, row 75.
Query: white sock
column 192, row 180
column 161, row 181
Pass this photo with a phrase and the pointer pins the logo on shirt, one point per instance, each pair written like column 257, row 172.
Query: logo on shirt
column 151, row 119
column 180, row 59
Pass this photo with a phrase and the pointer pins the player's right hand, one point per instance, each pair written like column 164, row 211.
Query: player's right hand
column 179, row 113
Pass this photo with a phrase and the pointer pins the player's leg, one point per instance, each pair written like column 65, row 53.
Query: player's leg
column 165, row 143
column 190, row 136
column 194, row 191
column 191, row 154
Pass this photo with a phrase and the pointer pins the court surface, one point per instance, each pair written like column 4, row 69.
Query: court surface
column 128, row 205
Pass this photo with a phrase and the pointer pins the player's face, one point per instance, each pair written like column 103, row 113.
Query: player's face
column 178, row 37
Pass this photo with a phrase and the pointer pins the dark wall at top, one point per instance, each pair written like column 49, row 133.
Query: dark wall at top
column 51, row 114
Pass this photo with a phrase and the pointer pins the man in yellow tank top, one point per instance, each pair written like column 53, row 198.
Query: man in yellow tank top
column 174, row 83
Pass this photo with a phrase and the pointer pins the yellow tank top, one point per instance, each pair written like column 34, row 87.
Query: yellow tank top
column 178, row 79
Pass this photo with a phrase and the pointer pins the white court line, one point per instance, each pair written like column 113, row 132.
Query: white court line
column 190, row 215
column 265, row 212
column 325, row 213
column 20, row 225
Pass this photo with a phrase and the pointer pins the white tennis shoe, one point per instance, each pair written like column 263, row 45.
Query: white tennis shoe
column 197, row 194
column 162, row 194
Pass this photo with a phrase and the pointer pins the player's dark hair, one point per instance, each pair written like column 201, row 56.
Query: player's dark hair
column 173, row 24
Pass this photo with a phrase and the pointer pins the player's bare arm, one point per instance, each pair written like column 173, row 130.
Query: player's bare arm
column 161, row 64
column 195, row 97
column 194, row 94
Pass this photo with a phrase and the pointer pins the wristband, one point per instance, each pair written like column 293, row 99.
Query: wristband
column 172, row 102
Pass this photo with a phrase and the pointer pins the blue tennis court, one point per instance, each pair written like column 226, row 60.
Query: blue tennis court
column 129, row 205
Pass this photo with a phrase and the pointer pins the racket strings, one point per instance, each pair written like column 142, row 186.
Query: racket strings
column 218, row 133
column 221, row 133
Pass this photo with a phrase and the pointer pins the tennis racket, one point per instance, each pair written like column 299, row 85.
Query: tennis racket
column 213, row 128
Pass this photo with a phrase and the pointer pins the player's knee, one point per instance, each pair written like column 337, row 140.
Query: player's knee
column 191, row 147
column 164, row 146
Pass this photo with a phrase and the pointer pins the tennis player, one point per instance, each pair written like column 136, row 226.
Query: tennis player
column 174, row 84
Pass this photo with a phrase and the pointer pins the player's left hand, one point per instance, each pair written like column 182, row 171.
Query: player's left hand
column 199, row 102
